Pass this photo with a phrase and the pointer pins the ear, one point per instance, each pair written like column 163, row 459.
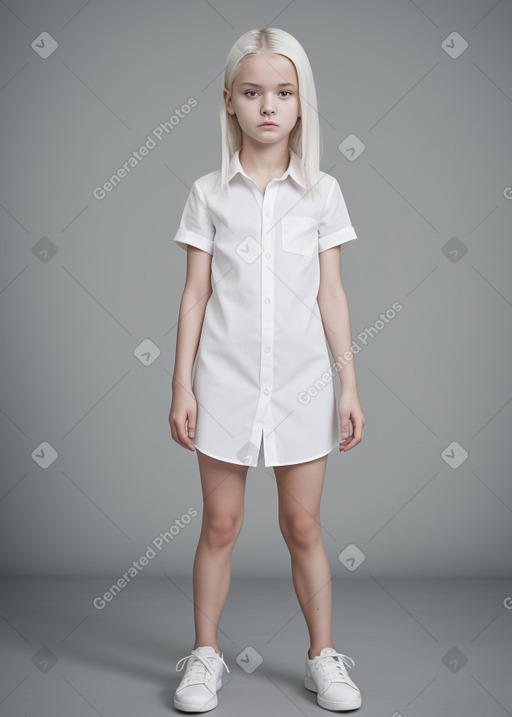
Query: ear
column 226, row 95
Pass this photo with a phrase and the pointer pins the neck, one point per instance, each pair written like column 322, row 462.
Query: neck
column 264, row 160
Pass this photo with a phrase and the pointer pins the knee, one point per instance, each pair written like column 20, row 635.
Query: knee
column 221, row 530
column 300, row 531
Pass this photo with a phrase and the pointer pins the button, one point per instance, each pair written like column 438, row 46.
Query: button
column 266, row 391
column 267, row 300
column 267, row 348
column 267, row 255
column 267, row 213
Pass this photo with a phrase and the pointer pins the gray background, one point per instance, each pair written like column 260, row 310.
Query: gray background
column 435, row 174
column 426, row 615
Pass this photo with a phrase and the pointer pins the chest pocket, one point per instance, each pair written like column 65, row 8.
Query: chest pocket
column 299, row 235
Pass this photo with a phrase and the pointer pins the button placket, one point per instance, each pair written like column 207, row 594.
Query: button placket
column 263, row 418
column 267, row 289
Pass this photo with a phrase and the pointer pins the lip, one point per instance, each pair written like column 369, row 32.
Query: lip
column 267, row 124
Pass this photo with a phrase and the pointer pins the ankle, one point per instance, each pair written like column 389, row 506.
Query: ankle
column 312, row 653
column 215, row 647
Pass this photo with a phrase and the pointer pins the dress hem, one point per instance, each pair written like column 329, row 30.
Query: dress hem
column 271, row 465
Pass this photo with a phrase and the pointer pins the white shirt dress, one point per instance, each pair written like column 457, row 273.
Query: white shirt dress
column 264, row 380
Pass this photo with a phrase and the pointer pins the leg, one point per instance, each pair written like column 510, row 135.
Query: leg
column 300, row 489
column 223, row 486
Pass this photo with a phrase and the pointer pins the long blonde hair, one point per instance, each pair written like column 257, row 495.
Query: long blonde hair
column 304, row 139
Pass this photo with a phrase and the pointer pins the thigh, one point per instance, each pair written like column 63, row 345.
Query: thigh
column 223, row 486
column 299, row 489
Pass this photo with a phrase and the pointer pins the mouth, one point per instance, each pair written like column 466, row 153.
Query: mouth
column 267, row 124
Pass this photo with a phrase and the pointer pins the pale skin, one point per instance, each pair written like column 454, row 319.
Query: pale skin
column 257, row 95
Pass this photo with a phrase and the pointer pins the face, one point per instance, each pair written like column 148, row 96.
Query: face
column 265, row 89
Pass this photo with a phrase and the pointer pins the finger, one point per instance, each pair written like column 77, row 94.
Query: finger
column 181, row 435
column 186, row 442
column 191, row 427
column 345, row 427
column 354, row 439
column 347, row 445
column 351, row 441
column 358, row 429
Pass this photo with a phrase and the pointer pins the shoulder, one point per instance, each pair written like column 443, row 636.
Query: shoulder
column 327, row 182
column 327, row 188
column 207, row 183
column 330, row 190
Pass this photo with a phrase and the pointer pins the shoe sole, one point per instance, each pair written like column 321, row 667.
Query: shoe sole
column 210, row 705
column 204, row 708
column 309, row 684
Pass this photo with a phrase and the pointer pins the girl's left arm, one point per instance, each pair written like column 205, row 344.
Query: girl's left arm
column 334, row 311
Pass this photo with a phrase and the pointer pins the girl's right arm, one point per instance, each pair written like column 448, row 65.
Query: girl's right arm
column 197, row 291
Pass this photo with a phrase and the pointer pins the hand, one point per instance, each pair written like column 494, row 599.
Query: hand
column 182, row 416
column 350, row 410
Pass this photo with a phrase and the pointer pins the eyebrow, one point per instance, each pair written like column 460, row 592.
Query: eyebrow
column 282, row 84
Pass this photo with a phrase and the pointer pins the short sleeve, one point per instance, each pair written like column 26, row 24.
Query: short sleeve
column 335, row 226
column 196, row 227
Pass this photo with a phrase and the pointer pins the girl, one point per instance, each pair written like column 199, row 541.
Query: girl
column 263, row 292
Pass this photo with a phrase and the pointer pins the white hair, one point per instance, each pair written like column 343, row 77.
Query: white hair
column 304, row 138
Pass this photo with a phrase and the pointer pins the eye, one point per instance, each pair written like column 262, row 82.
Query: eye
column 286, row 92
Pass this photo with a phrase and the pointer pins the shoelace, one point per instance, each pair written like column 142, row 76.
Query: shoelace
column 199, row 666
column 334, row 668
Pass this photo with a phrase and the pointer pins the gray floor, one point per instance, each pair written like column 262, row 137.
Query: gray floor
column 421, row 647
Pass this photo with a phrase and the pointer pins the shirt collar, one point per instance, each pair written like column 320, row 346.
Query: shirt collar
column 294, row 170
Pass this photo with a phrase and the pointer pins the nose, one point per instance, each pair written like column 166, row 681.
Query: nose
column 268, row 104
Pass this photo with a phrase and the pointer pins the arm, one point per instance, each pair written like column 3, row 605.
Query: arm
column 334, row 311
column 197, row 291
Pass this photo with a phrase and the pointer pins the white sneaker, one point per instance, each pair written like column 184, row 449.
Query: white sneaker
column 327, row 675
column 197, row 691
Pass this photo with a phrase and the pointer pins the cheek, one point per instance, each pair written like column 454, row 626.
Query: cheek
column 243, row 108
column 293, row 107
column 239, row 110
column 242, row 114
